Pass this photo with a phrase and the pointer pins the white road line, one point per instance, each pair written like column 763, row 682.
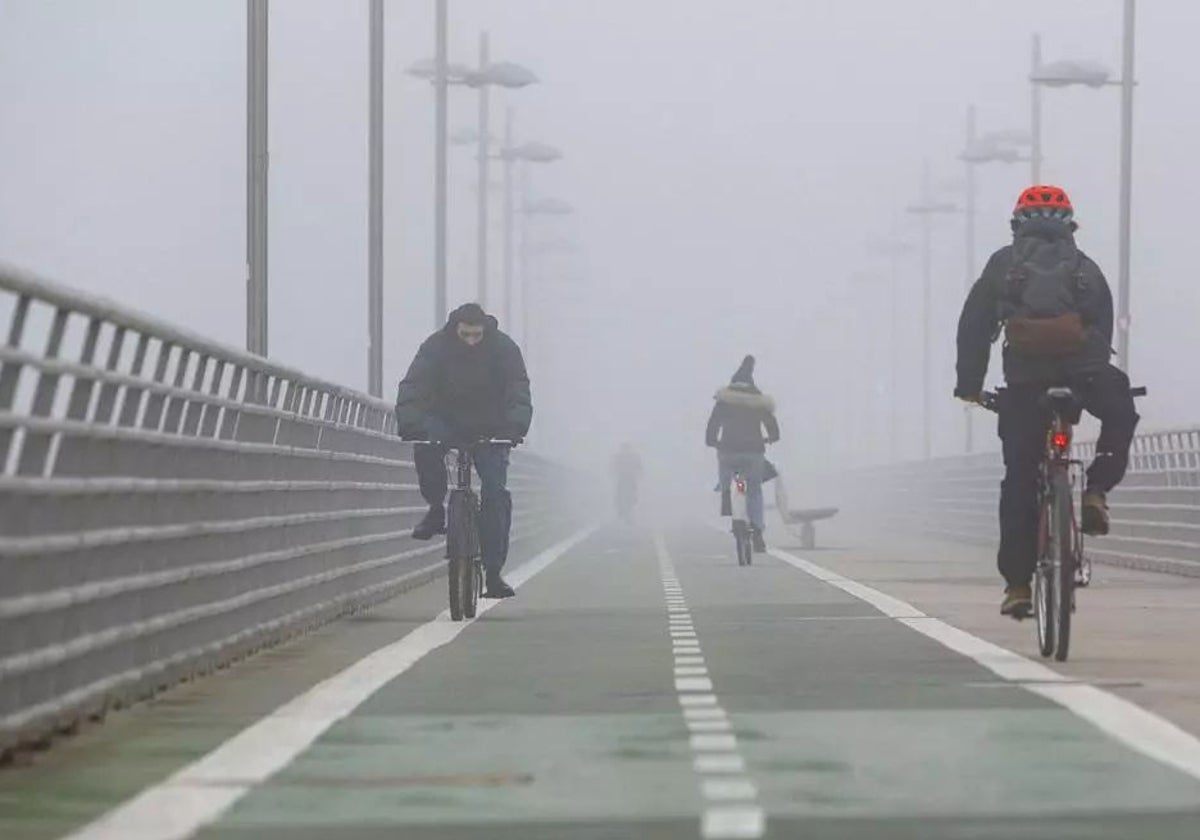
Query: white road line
column 201, row 792
column 1137, row 728
column 728, row 789
column 719, row 763
column 712, row 742
column 733, row 822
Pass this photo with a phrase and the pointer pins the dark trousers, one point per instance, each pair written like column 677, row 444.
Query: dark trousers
column 491, row 462
column 1022, row 427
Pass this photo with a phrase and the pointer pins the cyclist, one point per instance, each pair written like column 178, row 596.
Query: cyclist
column 735, row 430
column 627, row 471
column 467, row 384
column 1055, row 309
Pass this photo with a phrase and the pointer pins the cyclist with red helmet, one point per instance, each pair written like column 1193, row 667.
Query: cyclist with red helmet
column 1054, row 308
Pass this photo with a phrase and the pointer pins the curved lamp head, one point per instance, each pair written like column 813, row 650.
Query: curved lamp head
column 1067, row 73
column 533, row 153
column 503, row 74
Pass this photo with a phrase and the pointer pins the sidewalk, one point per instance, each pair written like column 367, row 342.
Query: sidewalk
column 1136, row 634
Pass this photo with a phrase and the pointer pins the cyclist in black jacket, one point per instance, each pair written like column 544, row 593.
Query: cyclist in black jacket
column 467, row 384
column 1055, row 309
column 736, row 430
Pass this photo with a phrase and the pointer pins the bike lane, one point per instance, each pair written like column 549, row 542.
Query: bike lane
column 554, row 715
column 854, row 725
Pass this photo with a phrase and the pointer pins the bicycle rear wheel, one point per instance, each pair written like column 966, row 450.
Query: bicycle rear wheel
column 1062, row 519
column 1044, row 582
column 741, row 540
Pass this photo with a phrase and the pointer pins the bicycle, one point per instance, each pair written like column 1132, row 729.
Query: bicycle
column 741, row 521
column 463, row 547
column 1061, row 565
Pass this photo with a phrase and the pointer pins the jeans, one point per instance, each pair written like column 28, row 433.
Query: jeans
column 751, row 466
column 495, row 521
column 1022, row 427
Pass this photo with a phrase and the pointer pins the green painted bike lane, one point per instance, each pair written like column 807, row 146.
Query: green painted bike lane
column 554, row 715
column 855, row 726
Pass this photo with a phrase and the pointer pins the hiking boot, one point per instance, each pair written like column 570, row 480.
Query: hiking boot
column 496, row 588
column 433, row 524
column 1018, row 601
column 760, row 544
column 1095, row 514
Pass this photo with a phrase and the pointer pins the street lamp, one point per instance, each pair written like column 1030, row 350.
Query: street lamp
column 1090, row 74
column 256, row 176
column 926, row 209
column 483, row 77
column 993, row 147
column 893, row 250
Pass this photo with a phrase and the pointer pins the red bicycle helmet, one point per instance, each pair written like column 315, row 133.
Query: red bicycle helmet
column 1044, row 197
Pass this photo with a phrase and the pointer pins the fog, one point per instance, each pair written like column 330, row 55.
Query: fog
column 730, row 161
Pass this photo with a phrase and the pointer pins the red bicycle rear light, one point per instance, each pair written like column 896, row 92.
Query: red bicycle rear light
column 1061, row 440
column 741, row 485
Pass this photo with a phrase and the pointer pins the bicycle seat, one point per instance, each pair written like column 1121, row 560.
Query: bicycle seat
column 1065, row 402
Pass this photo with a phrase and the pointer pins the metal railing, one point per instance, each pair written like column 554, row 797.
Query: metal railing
column 168, row 505
column 1155, row 510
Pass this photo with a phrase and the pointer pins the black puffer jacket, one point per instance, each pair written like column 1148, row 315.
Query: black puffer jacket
column 480, row 391
column 979, row 324
column 739, row 418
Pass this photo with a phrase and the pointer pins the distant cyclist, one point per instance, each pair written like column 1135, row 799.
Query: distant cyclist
column 741, row 424
column 1055, row 310
column 627, row 473
column 467, row 384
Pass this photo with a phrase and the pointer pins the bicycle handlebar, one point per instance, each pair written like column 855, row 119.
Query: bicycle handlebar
column 990, row 400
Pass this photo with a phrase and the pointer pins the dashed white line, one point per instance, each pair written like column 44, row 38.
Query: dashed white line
column 732, row 810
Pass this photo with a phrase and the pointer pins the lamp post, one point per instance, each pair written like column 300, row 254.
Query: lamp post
column 926, row 209
column 1093, row 75
column 993, row 147
column 893, row 250
column 482, row 78
column 375, row 203
column 543, row 207
column 256, row 177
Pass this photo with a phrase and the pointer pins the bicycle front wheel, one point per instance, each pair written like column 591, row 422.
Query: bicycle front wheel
column 462, row 547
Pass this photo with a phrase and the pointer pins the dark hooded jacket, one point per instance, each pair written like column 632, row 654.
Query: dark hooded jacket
column 480, row 391
column 741, row 414
column 1041, row 241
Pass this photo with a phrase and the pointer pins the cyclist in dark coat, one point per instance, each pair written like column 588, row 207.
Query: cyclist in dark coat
column 736, row 429
column 1055, row 309
column 467, row 384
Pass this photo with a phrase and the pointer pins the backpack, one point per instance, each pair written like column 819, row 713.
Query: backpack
column 1041, row 299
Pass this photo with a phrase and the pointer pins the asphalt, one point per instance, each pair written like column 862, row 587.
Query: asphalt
column 640, row 686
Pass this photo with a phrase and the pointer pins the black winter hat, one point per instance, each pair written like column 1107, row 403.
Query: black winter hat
column 469, row 313
column 745, row 372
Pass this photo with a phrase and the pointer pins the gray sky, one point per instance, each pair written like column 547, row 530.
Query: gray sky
column 729, row 158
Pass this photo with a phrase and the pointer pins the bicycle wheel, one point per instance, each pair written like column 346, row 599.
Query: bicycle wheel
column 741, row 542
column 472, row 584
column 1043, row 583
column 459, row 525
column 1062, row 521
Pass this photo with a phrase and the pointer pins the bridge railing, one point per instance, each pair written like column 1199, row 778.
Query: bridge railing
column 168, row 505
column 1155, row 511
